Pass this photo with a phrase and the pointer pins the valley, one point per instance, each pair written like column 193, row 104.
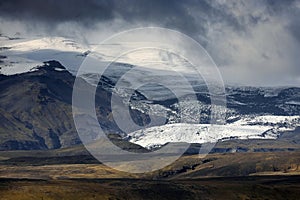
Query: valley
column 231, row 175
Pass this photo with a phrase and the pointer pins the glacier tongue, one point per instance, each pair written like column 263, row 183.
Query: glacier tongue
column 262, row 127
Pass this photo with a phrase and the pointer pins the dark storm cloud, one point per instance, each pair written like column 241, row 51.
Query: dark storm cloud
column 169, row 13
column 52, row 11
column 189, row 16
column 90, row 11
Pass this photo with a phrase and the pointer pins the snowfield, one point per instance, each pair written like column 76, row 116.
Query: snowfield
column 18, row 65
column 30, row 53
column 23, row 55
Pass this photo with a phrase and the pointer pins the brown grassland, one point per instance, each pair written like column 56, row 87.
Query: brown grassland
column 253, row 175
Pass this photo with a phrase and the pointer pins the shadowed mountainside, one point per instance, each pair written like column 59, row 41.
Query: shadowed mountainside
column 36, row 109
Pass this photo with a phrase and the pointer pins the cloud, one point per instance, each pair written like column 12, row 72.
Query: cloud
column 52, row 11
column 262, row 48
column 253, row 42
column 90, row 12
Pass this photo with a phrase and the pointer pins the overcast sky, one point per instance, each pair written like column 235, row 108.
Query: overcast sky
column 253, row 42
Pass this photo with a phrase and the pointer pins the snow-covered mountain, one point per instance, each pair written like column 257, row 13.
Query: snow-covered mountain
column 252, row 112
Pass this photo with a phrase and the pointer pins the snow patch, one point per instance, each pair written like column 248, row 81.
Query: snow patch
column 293, row 103
column 59, row 69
